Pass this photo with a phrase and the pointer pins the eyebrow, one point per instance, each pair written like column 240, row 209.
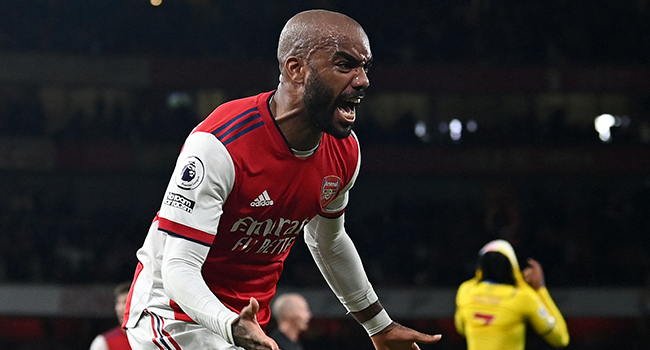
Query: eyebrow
column 353, row 59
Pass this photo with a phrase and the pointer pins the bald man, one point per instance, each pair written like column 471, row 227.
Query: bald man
column 292, row 315
column 251, row 179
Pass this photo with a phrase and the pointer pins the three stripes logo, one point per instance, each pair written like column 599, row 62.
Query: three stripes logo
column 263, row 200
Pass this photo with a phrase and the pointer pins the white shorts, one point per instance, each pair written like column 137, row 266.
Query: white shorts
column 157, row 333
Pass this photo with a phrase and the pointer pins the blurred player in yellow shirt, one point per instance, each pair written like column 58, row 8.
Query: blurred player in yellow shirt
column 494, row 308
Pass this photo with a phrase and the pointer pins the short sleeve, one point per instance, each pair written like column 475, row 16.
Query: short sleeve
column 202, row 180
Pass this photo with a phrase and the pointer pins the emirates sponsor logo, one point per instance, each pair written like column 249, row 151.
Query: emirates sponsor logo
column 279, row 227
column 266, row 236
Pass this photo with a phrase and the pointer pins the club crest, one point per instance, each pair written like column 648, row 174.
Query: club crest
column 329, row 190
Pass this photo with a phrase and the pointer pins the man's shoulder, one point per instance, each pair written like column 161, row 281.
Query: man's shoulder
column 347, row 147
column 279, row 337
column 467, row 284
column 283, row 341
column 234, row 113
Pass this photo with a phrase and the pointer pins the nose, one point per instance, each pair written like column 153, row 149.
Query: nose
column 361, row 80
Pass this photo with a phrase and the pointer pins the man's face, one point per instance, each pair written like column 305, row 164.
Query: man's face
column 120, row 303
column 335, row 86
column 300, row 315
column 321, row 106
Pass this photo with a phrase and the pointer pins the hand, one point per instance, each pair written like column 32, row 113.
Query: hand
column 398, row 337
column 533, row 274
column 247, row 333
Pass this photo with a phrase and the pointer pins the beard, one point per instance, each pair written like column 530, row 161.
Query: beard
column 321, row 106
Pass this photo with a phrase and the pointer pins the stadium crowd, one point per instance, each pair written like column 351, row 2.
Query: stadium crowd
column 586, row 232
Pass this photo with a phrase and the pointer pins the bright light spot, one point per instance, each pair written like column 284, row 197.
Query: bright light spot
column 155, row 2
column 603, row 124
column 455, row 129
column 472, row 125
column 421, row 131
column 179, row 99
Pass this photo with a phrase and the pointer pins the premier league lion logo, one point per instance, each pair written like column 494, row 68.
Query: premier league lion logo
column 189, row 171
column 191, row 174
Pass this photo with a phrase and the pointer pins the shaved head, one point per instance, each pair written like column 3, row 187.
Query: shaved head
column 323, row 58
column 313, row 30
column 292, row 313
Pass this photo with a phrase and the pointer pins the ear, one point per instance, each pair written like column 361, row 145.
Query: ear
column 295, row 69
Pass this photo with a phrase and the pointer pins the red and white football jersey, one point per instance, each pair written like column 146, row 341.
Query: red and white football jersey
column 239, row 189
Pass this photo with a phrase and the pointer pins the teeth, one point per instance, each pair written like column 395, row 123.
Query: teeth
column 353, row 100
column 348, row 115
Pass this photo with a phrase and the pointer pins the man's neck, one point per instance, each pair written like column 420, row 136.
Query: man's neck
column 289, row 115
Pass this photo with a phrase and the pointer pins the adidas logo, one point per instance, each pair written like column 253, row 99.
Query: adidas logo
column 262, row 201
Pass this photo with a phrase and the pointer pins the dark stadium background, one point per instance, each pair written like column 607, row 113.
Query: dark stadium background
column 96, row 98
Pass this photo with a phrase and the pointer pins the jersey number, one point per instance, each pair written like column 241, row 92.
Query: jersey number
column 487, row 319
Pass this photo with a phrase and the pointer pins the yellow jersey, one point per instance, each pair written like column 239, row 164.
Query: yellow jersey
column 494, row 316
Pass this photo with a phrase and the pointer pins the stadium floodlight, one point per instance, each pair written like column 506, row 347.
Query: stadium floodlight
column 455, row 129
column 422, row 131
column 603, row 124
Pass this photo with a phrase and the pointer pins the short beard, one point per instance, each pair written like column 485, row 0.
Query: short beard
column 321, row 105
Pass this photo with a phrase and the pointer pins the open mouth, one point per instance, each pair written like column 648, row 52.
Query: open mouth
column 347, row 108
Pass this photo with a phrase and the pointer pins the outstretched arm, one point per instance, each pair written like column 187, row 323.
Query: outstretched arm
column 340, row 264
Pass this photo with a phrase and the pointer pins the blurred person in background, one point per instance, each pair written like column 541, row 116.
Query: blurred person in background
column 115, row 338
column 258, row 173
column 494, row 308
column 292, row 314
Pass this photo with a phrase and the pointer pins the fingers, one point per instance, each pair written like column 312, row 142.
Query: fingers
column 534, row 274
column 247, row 333
column 425, row 338
column 399, row 337
column 431, row 338
column 532, row 262
column 419, row 337
column 535, row 266
column 527, row 272
column 255, row 306
column 250, row 311
column 422, row 337
column 254, row 303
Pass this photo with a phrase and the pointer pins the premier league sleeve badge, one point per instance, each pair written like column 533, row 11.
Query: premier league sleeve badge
column 191, row 174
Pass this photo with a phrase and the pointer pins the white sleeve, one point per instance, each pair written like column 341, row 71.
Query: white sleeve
column 202, row 180
column 337, row 257
column 99, row 343
column 182, row 261
column 339, row 262
column 183, row 258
